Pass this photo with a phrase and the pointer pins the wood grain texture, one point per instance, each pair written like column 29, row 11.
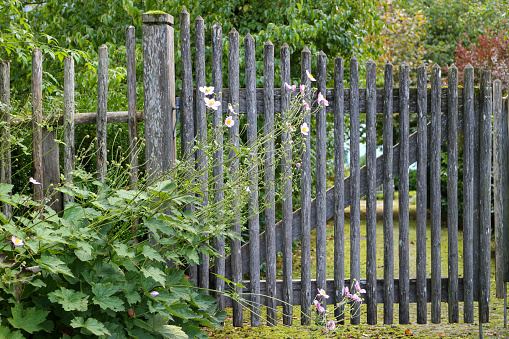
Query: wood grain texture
column 269, row 176
column 422, row 192
column 371, row 193
column 485, row 196
column 217, row 170
column 253, row 223
column 452, row 194
column 130, row 44
column 37, row 120
column 321, row 178
column 5, row 117
column 435, row 197
column 468, row 192
column 102, row 110
column 388, row 192
column 339, row 186
column 305, row 201
column 286, row 164
column 69, row 114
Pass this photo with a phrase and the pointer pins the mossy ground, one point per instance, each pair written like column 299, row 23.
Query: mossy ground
column 460, row 330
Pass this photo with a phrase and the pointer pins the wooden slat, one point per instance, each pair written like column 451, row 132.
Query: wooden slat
column 379, row 288
column 468, row 192
column 305, row 200
column 286, row 163
column 270, row 212
column 217, row 170
column 388, row 191
column 339, row 174
column 102, row 109
column 69, row 110
column 505, row 194
column 371, row 193
column 404, row 221
column 321, row 178
column 234, row 85
column 130, row 44
column 485, row 196
column 476, row 197
column 254, row 219
column 355, row 203
column 37, row 120
column 422, row 192
column 200, row 126
column 498, row 187
column 5, row 99
column 452, row 194
column 435, row 198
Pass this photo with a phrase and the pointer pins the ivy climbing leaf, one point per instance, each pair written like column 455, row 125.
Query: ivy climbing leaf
column 69, row 299
column 105, row 299
column 91, row 324
column 29, row 319
column 54, row 265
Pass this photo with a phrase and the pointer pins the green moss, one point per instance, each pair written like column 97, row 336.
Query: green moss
column 156, row 13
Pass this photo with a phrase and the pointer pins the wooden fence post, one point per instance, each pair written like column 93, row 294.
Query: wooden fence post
column 102, row 113
column 37, row 151
column 159, row 92
column 130, row 45
column 5, row 99
column 69, row 115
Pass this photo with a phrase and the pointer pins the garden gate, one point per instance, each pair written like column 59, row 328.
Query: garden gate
column 452, row 111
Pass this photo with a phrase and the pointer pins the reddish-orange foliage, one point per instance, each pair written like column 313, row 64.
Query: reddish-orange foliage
column 492, row 50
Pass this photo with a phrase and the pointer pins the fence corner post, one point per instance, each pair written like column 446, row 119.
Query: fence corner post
column 159, row 91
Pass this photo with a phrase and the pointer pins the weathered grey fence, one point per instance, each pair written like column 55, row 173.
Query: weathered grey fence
column 451, row 111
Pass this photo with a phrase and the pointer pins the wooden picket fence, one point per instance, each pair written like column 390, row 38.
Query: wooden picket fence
column 443, row 114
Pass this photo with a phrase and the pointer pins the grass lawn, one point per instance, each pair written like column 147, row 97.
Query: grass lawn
column 492, row 329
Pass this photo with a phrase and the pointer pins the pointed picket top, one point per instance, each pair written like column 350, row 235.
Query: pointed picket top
column 436, row 67
column 453, row 66
column 389, row 63
column 404, row 64
column 306, row 50
column 370, row 61
column 248, row 37
column 234, row 31
column 469, row 66
column 285, row 46
column 422, row 65
column 198, row 18
column 339, row 59
column 322, row 54
column 269, row 43
column 184, row 12
column 217, row 25
column 353, row 58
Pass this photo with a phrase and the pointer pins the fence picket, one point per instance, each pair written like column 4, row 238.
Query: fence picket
column 217, row 171
column 254, row 220
column 339, row 174
column 321, row 177
column 422, row 192
column 435, row 208
column 130, row 44
column 452, row 193
column 286, row 164
column 200, row 126
column 485, row 196
column 371, row 194
column 234, row 85
column 355, row 204
column 404, row 222
column 305, row 200
column 468, row 193
column 498, row 187
column 5, row 98
column 270, row 212
column 388, row 193
column 37, row 119
column 102, row 110
column 69, row 114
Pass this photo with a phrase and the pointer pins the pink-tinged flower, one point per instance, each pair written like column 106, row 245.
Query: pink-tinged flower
column 322, row 293
column 17, row 241
column 358, row 287
column 356, row 297
column 154, row 293
column 290, row 127
column 310, row 76
column 292, row 87
column 331, row 325
column 33, row 181
column 229, row 121
column 304, row 129
column 302, row 89
column 305, row 104
column 298, row 165
column 212, row 103
column 207, row 90
column 230, row 108
column 322, row 100
column 319, row 307
column 346, row 291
